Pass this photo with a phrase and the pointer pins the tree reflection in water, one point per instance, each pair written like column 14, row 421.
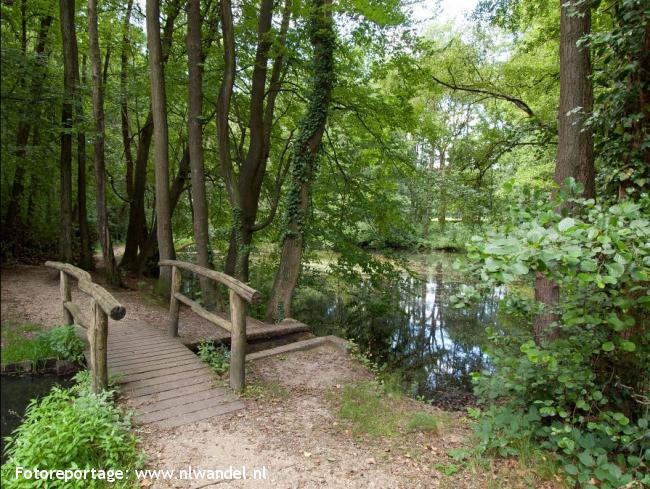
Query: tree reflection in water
column 414, row 330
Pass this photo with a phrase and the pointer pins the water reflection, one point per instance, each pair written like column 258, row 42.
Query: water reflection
column 438, row 346
column 414, row 329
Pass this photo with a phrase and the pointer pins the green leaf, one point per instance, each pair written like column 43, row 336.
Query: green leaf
column 571, row 469
column 588, row 265
column 566, row 223
column 628, row 345
column 586, row 459
column 608, row 346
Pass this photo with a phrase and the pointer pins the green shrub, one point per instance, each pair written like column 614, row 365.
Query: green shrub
column 72, row 429
column 218, row 357
column 65, row 344
column 584, row 393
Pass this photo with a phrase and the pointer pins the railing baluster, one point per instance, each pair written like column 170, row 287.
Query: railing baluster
column 174, row 305
column 66, row 296
column 98, row 336
column 237, row 342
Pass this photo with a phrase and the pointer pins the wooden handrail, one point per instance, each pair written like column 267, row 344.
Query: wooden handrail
column 77, row 273
column 96, row 329
column 105, row 300
column 244, row 291
column 240, row 293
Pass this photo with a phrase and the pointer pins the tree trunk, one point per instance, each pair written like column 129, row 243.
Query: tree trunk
column 136, row 233
column 85, row 255
column 195, row 142
column 148, row 249
column 124, row 106
column 305, row 159
column 442, row 209
column 161, row 140
column 246, row 194
column 70, row 81
column 575, row 145
column 112, row 272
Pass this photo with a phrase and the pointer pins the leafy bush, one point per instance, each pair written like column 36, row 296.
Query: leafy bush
column 218, row 357
column 65, row 343
column 72, row 428
column 584, row 391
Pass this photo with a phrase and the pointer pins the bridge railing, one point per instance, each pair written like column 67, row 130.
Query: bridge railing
column 240, row 295
column 103, row 305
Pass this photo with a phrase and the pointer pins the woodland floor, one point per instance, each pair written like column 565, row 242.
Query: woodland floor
column 291, row 424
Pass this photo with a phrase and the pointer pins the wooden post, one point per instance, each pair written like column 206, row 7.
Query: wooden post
column 66, row 296
column 98, row 336
column 174, row 305
column 237, row 342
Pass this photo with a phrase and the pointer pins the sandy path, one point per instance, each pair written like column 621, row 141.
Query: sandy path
column 296, row 436
column 30, row 294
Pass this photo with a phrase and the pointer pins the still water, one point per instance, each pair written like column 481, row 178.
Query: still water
column 416, row 331
column 17, row 392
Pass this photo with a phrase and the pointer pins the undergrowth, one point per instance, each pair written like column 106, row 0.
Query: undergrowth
column 72, row 428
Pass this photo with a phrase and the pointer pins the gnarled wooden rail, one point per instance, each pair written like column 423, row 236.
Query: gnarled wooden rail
column 240, row 294
column 96, row 329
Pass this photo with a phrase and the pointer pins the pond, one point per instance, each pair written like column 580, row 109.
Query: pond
column 407, row 324
column 416, row 332
column 17, row 392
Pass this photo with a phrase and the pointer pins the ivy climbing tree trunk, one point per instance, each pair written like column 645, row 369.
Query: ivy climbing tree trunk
column 112, row 272
column 575, row 144
column 304, row 159
column 195, row 142
column 161, row 142
column 70, row 82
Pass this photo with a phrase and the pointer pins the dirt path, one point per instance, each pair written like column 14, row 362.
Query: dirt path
column 30, row 294
column 292, row 429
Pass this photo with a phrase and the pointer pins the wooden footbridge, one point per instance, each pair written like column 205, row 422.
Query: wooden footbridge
column 162, row 379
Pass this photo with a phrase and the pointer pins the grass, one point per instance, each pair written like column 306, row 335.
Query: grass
column 21, row 342
column 265, row 390
column 424, row 422
column 25, row 342
column 369, row 410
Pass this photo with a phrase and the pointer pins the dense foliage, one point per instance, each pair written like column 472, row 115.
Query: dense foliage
column 583, row 392
column 72, row 429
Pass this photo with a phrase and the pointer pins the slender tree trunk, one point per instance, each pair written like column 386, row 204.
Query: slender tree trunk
column 442, row 209
column 161, row 141
column 195, row 142
column 112, row 272
column 136, row 234
column 86, row 255
column 305, row 159
column 124, row 96
column 575, row 145
column 178, row 185
column 70, row 82
column 253, row 168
